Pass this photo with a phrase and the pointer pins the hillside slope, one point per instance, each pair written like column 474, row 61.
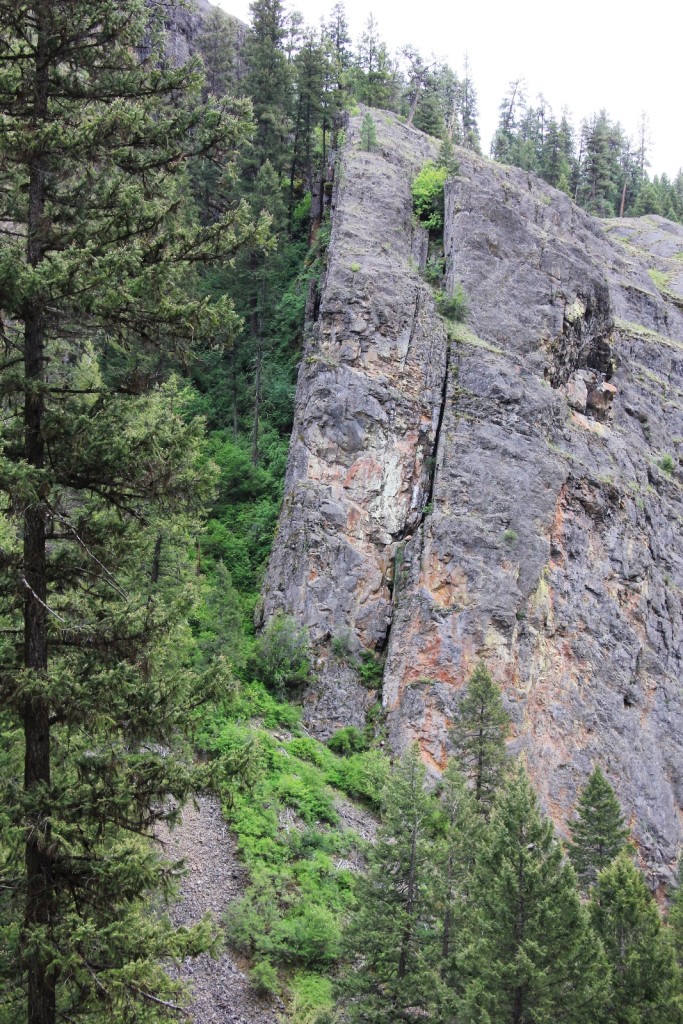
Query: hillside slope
column 514, row 494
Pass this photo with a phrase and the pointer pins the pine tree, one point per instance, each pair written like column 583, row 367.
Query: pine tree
column 464, row 831
column 449, row 94
column 368, row 132
column 470, row 113
column 268, row 82
column 510, row 112
column 645, row 980
column 392, row 938
column 373, row 72
column 216, row 43
column 310, row 66
column 478, row 736
column 102, row 480
column 600, row 178
column 530, row 955
column 598, row 831
column 675, row 921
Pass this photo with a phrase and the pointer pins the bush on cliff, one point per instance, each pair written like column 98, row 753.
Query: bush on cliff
column 428, row 200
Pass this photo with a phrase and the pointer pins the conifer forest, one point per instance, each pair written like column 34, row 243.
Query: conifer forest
column 173, row 278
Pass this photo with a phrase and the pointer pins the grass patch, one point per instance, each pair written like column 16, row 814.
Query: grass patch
column 639, row 331
column 462, row 335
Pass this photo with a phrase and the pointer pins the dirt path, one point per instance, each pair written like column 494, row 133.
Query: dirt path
column 221, row 990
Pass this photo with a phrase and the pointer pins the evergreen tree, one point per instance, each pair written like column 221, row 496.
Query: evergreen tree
column 478, row 737
column 216, row 44
column 374, row 72
column 600, row 177
column 311, row 70
column 449, row 96
column 530, row 955
column 598, row 831
column 675, row 921
column 368, row 132
column 470, row 112
column 268, row 82
column 463, row 834
column 508, row 122
column 555, row 166
column 447, row 157
column 101, row 481
column 340, row 62
column 645, row 980
column 392, row 938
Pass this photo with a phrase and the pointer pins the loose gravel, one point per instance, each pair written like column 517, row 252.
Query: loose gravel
column 221, row 993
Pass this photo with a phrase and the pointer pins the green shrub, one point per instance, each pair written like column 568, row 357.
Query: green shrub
column 311, row 998
column 342, row 644
column 510, row 536
column 667, row 464
column 348, row 740
column 362, row 776
column 428, row 200
column 435, row 268
column 283, row 660
column 454, row 306
column 370, row 670
column 311, row 935
column 263, row 977
column 311, row 802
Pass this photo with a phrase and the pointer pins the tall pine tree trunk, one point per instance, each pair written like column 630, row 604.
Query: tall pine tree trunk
column 36, row 712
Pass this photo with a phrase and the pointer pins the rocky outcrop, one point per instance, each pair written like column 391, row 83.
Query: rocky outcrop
column 514, row 494
column 367, row 411
column 184, row 24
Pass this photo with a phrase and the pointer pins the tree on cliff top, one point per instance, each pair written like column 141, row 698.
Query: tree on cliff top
column 368, row 132
column 102, row 479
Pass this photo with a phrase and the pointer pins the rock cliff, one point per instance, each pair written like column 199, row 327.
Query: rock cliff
column 507, row 489
column 183, row 25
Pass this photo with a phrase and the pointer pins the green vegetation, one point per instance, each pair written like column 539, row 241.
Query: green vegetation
column 389, row 935
column 368, row 132
column 428, row 201
column 645, row 979
column 472, row 916
column 666, row 463
column 598, row 166
column 158, row 247
column 453, row 307
column 104, row 486
column 282, row 657
column 280, row 790
column 598, row 832
column 478, row 737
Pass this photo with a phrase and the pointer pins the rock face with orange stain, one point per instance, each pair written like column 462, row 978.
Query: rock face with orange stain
column 368, row 400
column 548, row 540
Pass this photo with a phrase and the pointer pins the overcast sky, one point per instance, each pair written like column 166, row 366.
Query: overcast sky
column 585, row 54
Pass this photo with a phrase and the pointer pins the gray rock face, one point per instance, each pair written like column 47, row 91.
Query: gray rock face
column 183, row 24
column 549, row 540
column 368, row 400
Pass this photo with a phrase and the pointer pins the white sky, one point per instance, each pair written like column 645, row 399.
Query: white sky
column 585, row 54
